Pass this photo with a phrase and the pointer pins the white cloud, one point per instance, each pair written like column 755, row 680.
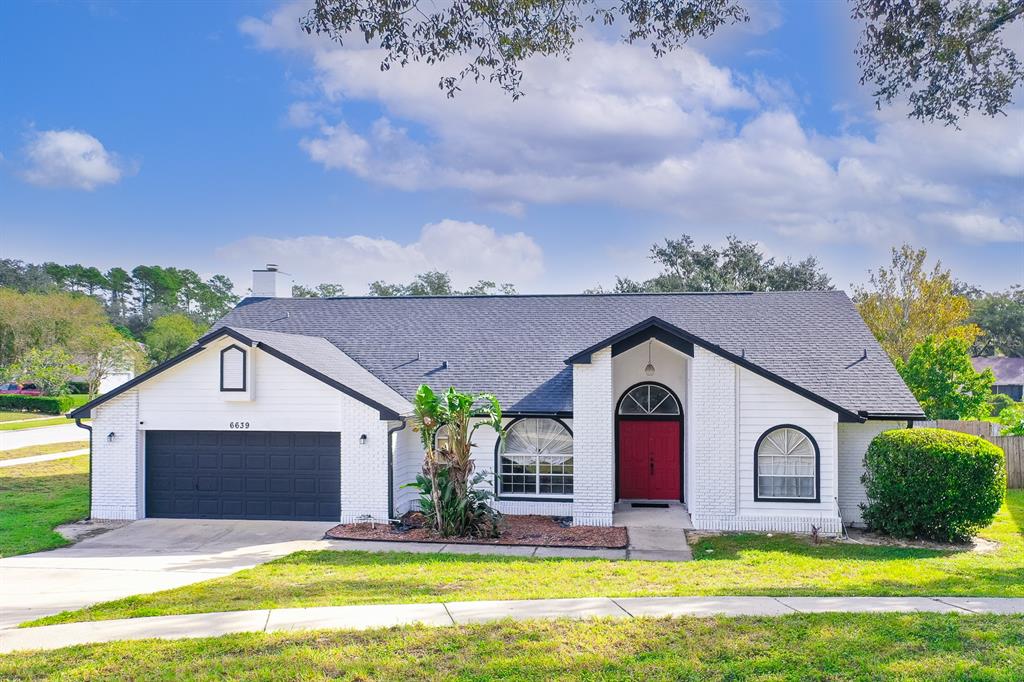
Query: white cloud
column 467, row 251
column 980, row 226
column 614, row 125
column 70, row 158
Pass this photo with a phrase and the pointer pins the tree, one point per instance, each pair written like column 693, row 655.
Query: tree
column 119, row 288
column 216, row 299
column 51, row 369
column 947, row 56
column 452, row 502
column 170, row 335
column 322, row 290
column 940, row 375
column 24, row 277
column 438, row 283
column 382, row 288
column 1012, row 420
column 486, row 287
column 950, row 57
column 102, row 351
column 491, row 39
column 1000, row 317
column 738, row 266
column 907, row 303
column 52, row 320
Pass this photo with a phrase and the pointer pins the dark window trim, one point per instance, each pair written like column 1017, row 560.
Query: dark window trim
column 817, row 467
column 245, row 367
column 520, row 497
column 681, row 418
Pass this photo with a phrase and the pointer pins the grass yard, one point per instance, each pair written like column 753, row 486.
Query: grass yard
column 726, row 565
column 35, row 498
column 34, row 424
column 8, row 416
column 798, row 647
column 47, row 449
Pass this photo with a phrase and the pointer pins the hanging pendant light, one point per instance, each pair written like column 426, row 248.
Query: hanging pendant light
column 649, row 369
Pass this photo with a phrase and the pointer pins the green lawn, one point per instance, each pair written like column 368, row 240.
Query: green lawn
column 727, row 565
column 47, row 449
column 6, row 416
column 34, row 424
column 797, row 647
column 34, row 498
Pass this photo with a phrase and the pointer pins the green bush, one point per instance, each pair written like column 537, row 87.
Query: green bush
column 44, row 404
column 932, row 484
column 997, row 402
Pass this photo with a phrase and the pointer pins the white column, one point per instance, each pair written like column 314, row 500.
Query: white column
column 117, row 469
column 712, row 421
column 593, row 420
column 364, row 465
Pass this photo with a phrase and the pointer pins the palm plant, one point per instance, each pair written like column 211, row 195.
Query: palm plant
column 449, row 496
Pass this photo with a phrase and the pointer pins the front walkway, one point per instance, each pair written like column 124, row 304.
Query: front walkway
column 460, row 613
column 655, row 533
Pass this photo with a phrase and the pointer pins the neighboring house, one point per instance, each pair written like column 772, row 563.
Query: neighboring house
column 1009, row 374
column 293, row 408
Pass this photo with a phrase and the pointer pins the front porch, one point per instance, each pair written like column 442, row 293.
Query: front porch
column 656, row 533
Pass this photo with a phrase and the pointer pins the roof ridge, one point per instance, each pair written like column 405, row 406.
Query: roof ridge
column 609, row 294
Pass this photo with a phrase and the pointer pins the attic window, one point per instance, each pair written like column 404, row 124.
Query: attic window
column 232, row 369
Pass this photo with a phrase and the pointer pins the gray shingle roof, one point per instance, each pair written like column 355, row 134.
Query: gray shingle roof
column 516, row 346
column 321, row 355
column 1008, row 371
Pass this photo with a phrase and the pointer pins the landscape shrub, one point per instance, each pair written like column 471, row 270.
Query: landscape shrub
column 44, row 404
column 932, row 484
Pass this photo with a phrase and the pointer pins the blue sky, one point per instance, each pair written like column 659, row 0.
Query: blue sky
column 217, row 136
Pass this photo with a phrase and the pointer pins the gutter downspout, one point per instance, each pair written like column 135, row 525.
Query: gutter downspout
column 79, row 424
column 391, row 470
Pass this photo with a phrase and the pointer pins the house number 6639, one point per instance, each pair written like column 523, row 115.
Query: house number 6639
column 238, row 425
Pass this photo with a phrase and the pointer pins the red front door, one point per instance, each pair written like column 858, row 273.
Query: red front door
column 649, row 460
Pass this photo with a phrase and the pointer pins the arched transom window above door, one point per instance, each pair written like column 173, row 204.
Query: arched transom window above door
column 649, row 400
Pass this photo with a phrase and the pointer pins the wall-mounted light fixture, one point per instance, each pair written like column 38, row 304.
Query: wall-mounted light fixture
column 362, row 439
column 110, row 437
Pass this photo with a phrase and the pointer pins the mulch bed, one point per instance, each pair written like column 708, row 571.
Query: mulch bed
column 545, row 531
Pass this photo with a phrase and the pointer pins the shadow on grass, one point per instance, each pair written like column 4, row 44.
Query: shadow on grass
column 732, row 548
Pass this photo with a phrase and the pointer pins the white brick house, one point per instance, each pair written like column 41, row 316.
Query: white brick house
column 753, row 410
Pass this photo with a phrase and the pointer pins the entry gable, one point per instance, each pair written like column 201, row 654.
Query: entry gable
column 655, row 327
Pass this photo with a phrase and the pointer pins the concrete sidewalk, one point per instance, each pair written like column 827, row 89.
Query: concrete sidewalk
column 459, row 613
column 33, row 459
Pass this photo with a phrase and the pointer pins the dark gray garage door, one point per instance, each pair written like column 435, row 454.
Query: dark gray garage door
column 243, row 475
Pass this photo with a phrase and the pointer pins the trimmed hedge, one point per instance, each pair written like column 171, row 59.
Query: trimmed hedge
column 45, row 404
column 932, row 484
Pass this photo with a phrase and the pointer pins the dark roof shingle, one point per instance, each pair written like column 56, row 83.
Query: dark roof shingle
column 516, row 346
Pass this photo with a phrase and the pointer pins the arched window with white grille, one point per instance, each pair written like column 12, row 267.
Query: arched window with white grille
column 535, row 459
column 786, row 462
column 649, row 400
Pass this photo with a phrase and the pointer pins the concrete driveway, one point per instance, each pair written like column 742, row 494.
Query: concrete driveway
column 144, row 556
